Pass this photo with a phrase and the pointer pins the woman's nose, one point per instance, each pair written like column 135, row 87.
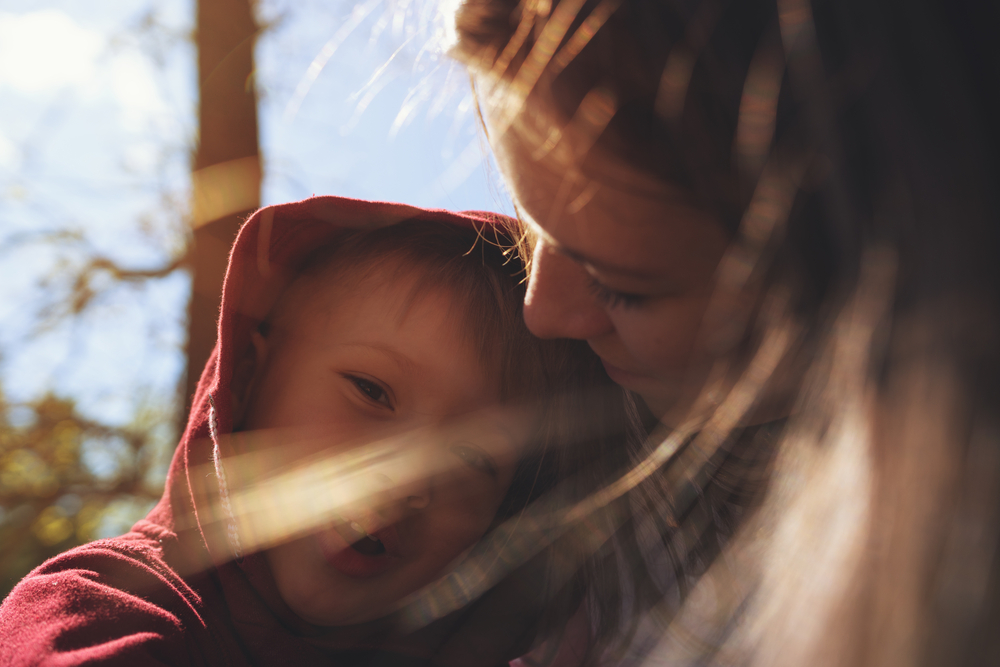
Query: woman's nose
column 560, row 302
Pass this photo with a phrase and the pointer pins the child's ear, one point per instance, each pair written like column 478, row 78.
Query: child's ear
column 246, row 375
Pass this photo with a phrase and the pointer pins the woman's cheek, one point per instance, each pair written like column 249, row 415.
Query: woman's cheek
column 661, row 337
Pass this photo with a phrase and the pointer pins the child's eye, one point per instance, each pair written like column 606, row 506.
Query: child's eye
column 475, row 459
column 612, row 298
column 371, row 389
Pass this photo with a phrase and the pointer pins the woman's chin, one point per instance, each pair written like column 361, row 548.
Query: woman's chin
column 658, row 396
column 629, row 380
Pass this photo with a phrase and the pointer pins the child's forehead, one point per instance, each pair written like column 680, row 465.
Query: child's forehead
column 391, row 305
column 391, row 290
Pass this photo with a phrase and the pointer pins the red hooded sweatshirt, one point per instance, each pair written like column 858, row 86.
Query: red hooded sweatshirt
column 173, row 591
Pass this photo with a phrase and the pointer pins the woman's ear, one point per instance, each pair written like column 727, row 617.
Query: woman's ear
column 246, row 376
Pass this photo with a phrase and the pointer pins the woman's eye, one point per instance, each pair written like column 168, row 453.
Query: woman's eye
column 475, row 459
column 372, row 390
column 612, row 298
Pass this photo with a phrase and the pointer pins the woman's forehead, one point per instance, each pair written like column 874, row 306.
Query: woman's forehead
column 610, row 229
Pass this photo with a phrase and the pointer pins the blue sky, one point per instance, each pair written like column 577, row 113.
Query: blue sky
column 328, row 144
column 97, row 125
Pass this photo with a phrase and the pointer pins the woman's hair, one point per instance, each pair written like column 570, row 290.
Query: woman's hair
column 851, row 149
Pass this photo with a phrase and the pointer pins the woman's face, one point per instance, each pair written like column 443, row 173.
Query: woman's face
column 373, row 367
column 625, row 263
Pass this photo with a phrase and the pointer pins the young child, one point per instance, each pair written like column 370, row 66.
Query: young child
column 371, row 410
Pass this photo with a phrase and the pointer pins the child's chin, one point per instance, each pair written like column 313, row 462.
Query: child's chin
column 322, row 595
column 331, row 605
column 340, row 617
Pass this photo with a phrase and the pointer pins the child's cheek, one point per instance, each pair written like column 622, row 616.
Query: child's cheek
column 458, row 517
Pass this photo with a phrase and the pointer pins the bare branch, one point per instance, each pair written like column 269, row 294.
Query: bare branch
column 104, row 264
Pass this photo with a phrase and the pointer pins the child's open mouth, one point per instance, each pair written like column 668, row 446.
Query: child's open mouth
column 361, row 541
column 352, row 551
column 369, row 546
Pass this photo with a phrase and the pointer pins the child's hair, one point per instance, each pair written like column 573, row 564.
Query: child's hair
column 869, row 133
column 472, row 265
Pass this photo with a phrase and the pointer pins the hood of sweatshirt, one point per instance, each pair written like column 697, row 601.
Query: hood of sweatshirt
column 265, row 258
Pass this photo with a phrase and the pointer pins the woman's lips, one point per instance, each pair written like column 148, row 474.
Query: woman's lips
column 349, row 561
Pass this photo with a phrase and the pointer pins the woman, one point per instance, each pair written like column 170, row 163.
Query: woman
column 773, row 218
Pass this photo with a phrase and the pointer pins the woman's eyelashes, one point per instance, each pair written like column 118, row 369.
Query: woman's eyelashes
column 371, row 390
column 475, row 459
column 613, row 298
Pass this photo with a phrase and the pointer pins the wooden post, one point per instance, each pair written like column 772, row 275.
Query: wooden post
column 226, row 171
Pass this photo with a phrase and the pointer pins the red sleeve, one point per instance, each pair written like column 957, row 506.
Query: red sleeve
column 105, row 603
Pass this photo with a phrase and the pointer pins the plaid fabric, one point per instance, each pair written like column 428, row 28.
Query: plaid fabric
column 667, row 531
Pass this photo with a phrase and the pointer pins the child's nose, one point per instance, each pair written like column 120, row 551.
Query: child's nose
column 417, row 495
column 413, row 496
column 419, row 500
column 391, row 501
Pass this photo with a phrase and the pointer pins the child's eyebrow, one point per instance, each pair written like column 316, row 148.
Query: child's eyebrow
column 400, row 359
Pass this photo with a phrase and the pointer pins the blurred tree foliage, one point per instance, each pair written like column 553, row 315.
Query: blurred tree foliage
column 65, row 480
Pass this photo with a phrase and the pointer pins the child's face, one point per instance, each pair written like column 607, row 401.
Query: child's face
column 362, row 367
